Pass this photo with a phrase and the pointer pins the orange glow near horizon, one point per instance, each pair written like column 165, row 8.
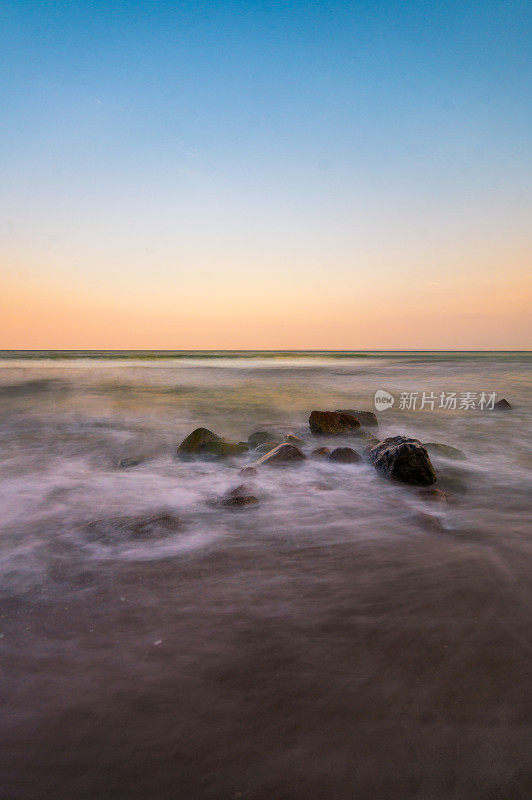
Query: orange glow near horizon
column 235, row 310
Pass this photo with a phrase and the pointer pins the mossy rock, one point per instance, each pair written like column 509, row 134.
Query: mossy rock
column 202, row 441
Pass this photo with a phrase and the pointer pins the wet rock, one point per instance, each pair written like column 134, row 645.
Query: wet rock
column 239, row 491
column 344, row 455
column 293, row 439
column 261, row 437
column 403, row 459
column 437, row 449
column 280, row 455
column 127, row 463
column 248, row 471
column 202, row 441
column 239, row 501
column 266, row 447
column 364, row 417
column 320, row 452
column 503, row 405
column 114, row 530
column 333, row 423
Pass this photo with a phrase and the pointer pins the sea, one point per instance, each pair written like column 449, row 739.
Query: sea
column 346, row 637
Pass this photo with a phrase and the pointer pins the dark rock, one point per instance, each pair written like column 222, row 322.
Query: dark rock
column 437, row 449
column 333, row 423
column 202, row 441
column 403, row 459
column 282, row 454
column 320, row 452
column 364, row 417
column 240, row 501
column 261, row 437
column 345, row 455
column 503, row 405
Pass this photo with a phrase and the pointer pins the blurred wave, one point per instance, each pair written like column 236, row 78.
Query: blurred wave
column 344, row 637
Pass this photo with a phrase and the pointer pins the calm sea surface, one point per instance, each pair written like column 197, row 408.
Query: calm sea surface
column 345, row 638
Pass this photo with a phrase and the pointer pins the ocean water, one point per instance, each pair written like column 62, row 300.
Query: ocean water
column 346, row 637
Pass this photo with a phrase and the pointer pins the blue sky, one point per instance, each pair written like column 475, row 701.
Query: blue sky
column 157, row 151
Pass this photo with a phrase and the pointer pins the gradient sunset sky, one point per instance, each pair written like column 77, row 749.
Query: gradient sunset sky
column 347, row 175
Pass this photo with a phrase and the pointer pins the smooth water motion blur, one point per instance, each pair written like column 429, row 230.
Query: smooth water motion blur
column 346, row 637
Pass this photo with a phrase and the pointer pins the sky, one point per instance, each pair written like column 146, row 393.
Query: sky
column 265, row 175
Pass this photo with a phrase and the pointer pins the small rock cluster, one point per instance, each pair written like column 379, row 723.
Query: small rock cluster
column 399, row 458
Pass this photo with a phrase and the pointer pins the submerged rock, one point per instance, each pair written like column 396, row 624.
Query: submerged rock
column 202, row 441
column 453, row 480
column 127, row 463
column 503, row 405
column 437, row 449
column 261, row 437
column 267, row 447
column 114, row 530
column 403, row 459
column 432, row 494
column 248, row 471
column 370, row 442
column 333, row 423
column 239, row 491
column 321, row 452
column 282, row 454
column 364, row 417
column 240, row 501
column 344, row 455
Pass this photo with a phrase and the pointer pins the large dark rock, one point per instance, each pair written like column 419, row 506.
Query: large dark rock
column 403, row 459
column 364, row 417
column 333, row 423
column 282, row 454
column 202, row 441
column 344, row 455
column 503, row 405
